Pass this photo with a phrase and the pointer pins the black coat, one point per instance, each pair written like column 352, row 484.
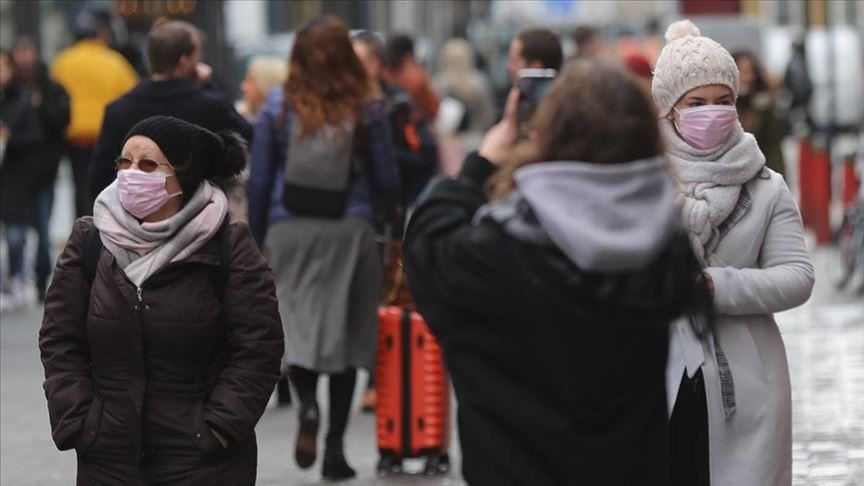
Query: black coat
column 413, row 143
column 18, row 173
column 54, row 114
column 181, row 98
column 135, row 381
column 559, row 373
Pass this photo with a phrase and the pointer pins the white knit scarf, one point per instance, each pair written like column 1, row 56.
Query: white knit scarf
column 141, row 249
column 710, row 182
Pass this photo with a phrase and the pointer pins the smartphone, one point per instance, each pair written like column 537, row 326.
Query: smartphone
column 532, row 85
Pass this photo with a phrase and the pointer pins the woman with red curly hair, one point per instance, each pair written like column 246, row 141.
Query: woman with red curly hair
column 322, row 167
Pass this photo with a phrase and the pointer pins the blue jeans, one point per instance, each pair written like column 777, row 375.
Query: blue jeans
column 16, row 237
column 44, row 205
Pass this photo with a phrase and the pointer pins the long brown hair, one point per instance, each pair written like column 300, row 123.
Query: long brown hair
column 594, row 112
column 327, row 84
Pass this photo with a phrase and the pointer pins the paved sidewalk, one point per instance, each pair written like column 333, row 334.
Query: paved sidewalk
column 825, row 346
column 824, row 339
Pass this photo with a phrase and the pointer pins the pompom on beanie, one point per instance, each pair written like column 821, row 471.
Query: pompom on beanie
column 689, row 61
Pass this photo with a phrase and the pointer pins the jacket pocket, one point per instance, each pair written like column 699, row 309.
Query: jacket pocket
column 210, row 447
column 90, row 429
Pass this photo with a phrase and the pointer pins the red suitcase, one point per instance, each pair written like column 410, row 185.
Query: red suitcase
column 413, row 407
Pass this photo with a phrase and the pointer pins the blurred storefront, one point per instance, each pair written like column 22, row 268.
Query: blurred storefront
column 52, row 23
column 259, row 25
column 238, row 29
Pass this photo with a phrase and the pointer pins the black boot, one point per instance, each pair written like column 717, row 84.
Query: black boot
column 336, row 468
column 283, row 392
column 306, row 448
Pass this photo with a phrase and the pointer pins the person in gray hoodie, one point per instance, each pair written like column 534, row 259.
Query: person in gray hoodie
column 550, row 276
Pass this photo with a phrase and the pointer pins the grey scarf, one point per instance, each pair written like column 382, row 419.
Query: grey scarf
column 711, row 182
column 141, row 249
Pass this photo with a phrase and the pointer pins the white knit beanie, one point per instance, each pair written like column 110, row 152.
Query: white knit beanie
column 689, row 61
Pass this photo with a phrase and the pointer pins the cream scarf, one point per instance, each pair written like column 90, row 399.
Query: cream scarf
column 710, row 182
column 141, row 249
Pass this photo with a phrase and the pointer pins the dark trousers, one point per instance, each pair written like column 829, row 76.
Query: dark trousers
column 16, row 238
column 44, row 205
column 79, row 157
column 341, row 394
column 689, row 428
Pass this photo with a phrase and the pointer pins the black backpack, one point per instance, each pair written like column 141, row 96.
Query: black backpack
column 93, row 250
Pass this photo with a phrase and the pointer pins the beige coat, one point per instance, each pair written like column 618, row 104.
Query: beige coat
column 768, row 269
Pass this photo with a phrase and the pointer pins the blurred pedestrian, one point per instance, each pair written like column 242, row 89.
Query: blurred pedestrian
column 588, row 42
column 577, row 263
column 264, row 74
column 536, row 48
column 93, row 75
column 52, row 106
column 757, row 110
column 21, row 135
column 728, row 427
column 112, row 29
column 403, row 70
column 414, row 145
column 798, row 90
column 415, row 150
column 161, row 339
column 459, row 78
column 322, row 163
column 640, row 67
column 179, row 86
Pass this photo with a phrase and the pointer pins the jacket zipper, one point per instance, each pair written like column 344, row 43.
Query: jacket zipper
column 139, row 310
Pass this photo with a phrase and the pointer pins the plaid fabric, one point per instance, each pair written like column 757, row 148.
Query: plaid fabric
column 727, row 384
column 702, row 325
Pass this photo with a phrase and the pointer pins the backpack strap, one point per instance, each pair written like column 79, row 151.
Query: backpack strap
column 92, row 252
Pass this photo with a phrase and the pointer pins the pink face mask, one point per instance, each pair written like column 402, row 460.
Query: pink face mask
column 706, row 127
column 141, row 193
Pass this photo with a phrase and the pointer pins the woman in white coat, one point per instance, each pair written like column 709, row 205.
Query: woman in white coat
column 728, row 381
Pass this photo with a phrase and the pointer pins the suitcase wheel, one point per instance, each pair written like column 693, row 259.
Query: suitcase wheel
column 437, row 464
column 389, row 465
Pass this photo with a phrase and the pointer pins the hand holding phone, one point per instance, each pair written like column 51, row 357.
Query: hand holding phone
column 532, row 85
column 497, row 144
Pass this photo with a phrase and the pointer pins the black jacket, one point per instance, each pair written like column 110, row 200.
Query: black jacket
column 559, row 373
column 54, row 114
column 413, row 143
column 18, row 172
column 180, row 98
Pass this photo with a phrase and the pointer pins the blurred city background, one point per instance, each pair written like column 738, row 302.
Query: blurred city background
column 817, row 44
column 237, row 30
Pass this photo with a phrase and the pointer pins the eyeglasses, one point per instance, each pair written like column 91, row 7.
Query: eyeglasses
column 145, row 165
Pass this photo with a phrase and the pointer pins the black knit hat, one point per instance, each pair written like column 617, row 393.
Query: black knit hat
column 195, row 152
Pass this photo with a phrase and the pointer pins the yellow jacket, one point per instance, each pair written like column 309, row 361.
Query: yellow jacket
column 93, row 75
